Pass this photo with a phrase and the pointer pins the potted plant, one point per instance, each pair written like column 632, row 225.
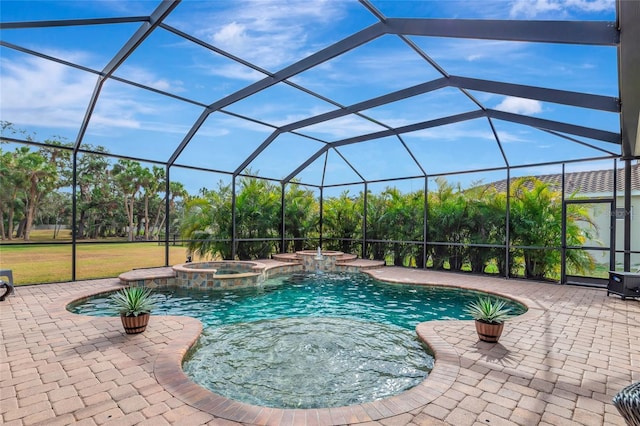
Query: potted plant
column 490, row 314
column 134, row 304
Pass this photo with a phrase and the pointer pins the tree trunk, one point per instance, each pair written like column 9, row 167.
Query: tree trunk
column 10, row 224
column 20, row 231
column 2, row 235
column 80, row 229
column 32, row 203
column 156, row 226
column 146, row 217
column 129, row 210
column 31, row 207
column 29, row 220
column 160, row 226
column 139, row 225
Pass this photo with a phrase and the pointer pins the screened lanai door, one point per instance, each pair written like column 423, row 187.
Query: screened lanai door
column 589, row 241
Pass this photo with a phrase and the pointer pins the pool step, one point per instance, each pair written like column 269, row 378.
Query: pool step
column 149, row 277
column 279, row 263
column 361, row 264
column 292, row 257
column 346, row 257
column 286, row 257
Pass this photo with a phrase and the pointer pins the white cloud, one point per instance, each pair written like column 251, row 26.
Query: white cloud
column 42, row 93
column 534, row 8
column 458, row 55
column 530, row 9
column 148, row 78
column 474, row 57
column 520, row 105
column 237, row 72
column 453, row 133
column 232, row 34
column 342, row 128
column 45, row 94
column 131, row 8
column 591, row 5
column 511, row 137
column 271, row 33
column 230, row 124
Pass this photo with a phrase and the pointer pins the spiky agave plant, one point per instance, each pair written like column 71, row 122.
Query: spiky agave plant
column 133, row 301
column 489, row 309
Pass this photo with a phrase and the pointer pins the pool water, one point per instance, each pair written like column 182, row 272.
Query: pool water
column 309, row 340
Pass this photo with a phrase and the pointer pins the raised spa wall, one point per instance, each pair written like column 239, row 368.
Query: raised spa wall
column 203, row 275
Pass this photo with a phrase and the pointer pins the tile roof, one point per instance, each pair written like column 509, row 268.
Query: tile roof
column 586, row 182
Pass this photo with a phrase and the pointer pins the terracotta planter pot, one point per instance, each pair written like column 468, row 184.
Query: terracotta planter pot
column 135, row 325
column 489, row 332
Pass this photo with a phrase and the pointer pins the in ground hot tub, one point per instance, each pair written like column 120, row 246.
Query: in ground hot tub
column 219, row 274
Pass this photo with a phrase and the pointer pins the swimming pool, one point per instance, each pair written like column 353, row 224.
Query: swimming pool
column 309, row 340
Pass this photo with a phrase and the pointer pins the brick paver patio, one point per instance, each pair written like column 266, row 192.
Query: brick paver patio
column 559, row 364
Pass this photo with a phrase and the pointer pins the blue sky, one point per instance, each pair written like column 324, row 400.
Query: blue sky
column 50, row 99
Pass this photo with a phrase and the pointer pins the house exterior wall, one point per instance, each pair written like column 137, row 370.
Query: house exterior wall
column 600, row 216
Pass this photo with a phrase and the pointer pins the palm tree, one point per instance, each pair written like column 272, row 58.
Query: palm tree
column 342, row 221
column 41, row 176
column 176, row 191
column 447, row 223
column 536, row 220
column 11, row 187
column 257, row 216
column 96, row 200
column 377, row 225
column 128, row 177
column 152, row 182
column 486, row 221
column 207, row 224
column 301, row 215
column 405, row 214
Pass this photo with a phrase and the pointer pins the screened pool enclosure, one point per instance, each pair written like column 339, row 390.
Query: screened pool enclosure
column 416, row 122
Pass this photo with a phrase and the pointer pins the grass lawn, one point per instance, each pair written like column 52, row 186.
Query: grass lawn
column 38, row 263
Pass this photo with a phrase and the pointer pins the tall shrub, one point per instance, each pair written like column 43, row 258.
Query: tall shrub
column 447, row 223
column 301, row 218
column 343, row 221
column 486, row 221
column 536, row 220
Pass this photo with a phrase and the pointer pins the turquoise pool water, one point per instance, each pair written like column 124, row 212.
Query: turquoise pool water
column 309, row 340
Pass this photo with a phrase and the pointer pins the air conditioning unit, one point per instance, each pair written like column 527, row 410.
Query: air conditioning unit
column 624, row 284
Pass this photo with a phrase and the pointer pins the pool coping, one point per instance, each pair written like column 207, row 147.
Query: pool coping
column 167, row 369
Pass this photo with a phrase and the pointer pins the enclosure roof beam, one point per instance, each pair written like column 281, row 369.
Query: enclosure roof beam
column 370, row 103
column 361, row 37
column 257, row 152
column 48, row 57
column 304, row 165
column 629, row 75
column 541, row 123
column 336, row 49
column 571, row 32
column 583, row 100
column 160, row 13
column 72, row 22
column 412, row 128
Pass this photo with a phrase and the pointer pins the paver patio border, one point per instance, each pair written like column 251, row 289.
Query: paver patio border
column 528, row 380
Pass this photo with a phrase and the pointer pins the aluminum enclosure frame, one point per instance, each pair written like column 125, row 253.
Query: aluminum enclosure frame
column 624, row 34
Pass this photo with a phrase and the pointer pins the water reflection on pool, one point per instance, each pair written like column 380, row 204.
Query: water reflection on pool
column 310, row 340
